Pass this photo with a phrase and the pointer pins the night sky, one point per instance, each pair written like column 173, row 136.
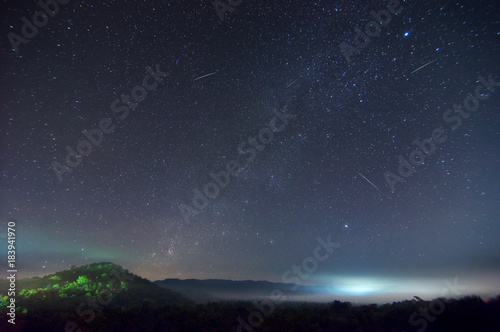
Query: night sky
column 311, row 117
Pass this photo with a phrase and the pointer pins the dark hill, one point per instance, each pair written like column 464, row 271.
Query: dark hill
column 108, row 284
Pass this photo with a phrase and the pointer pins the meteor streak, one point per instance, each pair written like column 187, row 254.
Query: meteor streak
column 428, row 63
column 205, row 76
column 369, row 182
column 291, row 83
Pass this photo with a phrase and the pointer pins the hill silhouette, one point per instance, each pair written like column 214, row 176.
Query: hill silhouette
column 105, row 281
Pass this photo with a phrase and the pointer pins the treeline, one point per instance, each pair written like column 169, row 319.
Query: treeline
column 467, row 314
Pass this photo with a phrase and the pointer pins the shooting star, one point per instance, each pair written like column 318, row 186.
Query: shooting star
column 428, row 63
column 291, row 83
column 205, row 76
column 369, row 182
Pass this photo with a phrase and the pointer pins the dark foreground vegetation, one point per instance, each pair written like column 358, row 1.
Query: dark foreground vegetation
column 105, row 297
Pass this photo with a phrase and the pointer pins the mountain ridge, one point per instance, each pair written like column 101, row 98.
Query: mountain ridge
column 203, row 290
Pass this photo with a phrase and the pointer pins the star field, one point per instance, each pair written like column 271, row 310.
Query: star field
column 347, row 122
